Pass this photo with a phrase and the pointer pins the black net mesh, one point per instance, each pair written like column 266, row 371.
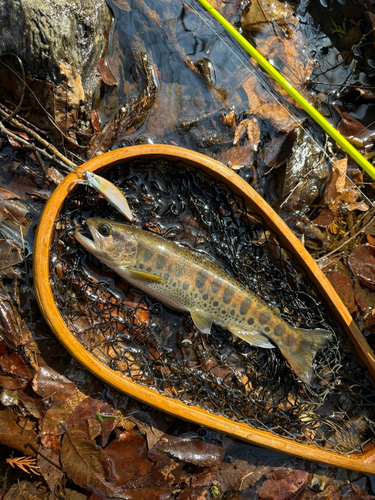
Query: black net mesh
column 156, row 346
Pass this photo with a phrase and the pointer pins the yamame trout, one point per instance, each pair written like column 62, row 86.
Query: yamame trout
column 188, row 281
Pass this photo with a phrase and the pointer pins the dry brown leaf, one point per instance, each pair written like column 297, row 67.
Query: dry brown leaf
column 253, row 133
column 53, row 475
column 240, row 130
column 336, row 182
column 67, row 99
column 87, row 464
column 100, row 142
column 340, row 190
column 62, row 394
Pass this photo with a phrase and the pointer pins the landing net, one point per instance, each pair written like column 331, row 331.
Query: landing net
column 156, row 346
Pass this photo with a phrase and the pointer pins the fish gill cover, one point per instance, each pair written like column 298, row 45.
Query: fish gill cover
column 156, row 346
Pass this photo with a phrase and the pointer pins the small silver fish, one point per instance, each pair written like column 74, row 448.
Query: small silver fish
column 188, row 281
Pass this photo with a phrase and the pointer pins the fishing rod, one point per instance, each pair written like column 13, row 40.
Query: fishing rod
column 292, row 91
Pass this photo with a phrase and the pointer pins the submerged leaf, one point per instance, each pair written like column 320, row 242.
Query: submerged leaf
column 101, row 141
column 109, row 71
column 192, row 449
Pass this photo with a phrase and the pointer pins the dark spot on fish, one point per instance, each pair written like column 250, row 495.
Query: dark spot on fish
column 166, row 276
column 289, row 340
column 264, row 317
column 148, row 269
column 140, row 266
column 200, row 280
column 133, row 249
column 205, row 296
column 179, row 271
column 267, row 329
column 174, row 284
column 215, row 304
column 185, row 285
column 160, row 261
column 245, row 306
column 279, row 330
column 216, row 285
column 223, row 311
column 196, row 295
column 147, row 254
column 250, row 321
column 232, row 312
column 228, row 295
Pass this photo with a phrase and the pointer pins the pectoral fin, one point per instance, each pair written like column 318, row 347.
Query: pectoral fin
column 202, row 321
column 141, row 275
column 253, row 338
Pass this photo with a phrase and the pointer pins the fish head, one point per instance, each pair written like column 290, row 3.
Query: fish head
column 113, row 243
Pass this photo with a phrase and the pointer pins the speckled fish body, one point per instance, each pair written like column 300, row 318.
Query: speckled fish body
column 188, row 281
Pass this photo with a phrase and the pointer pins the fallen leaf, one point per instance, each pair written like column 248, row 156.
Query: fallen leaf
column 53, row 475
column 191, row 449
column 343, row 285
column 108, row 423
column 253, row 133
column 368, row 320
column 122, row 4
column 95, row 120
column 87, row 464
column 325, row 218
column 13, row 142
column 100, row 142
column 23, row 490
column 278, row 150
column 127, row 456
column 284, row 484
column 16, row 432
column 240, row 130
column 63, row 396
column 67, row 99
column 236, row 157
column 83, row 411
column 263, row 105
column 108, row 68
column 362, row 264
column 55, row 175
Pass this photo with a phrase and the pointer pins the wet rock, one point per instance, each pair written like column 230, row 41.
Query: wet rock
column 52, row 35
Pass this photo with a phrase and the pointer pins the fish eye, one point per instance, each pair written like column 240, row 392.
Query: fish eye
column 105, row 229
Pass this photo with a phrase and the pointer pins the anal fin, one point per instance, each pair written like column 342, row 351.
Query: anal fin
column 253, row 338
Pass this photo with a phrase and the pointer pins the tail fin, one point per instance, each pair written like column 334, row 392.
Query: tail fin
column 301, row 354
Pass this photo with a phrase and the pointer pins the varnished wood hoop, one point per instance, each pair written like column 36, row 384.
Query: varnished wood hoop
column 364, row 462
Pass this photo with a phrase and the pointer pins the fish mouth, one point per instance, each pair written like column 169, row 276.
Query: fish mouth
column 90, row 245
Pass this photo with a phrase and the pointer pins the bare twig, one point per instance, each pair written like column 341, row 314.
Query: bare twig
column 37, row 137
column 335, row 250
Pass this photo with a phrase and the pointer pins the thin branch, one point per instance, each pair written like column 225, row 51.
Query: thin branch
column 37, row 137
